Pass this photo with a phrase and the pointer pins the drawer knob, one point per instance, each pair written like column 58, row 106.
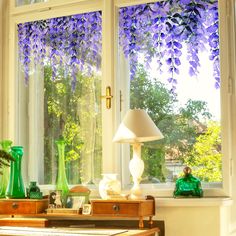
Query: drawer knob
column 116, row 207
column 15, row 205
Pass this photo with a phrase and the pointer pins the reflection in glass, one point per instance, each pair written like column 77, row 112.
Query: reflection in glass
column 28, row 2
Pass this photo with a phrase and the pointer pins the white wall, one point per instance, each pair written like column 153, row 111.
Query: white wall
column 194, row 217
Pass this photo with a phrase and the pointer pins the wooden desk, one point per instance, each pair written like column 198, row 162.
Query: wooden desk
column 119, row 213
column 77, row 231
column 101, row 209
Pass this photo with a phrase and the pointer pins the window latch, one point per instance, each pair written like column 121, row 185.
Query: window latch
column 108, row 97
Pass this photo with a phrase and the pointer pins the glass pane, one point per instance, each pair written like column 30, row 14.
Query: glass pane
column 77, row 117
column 173, row 53
column 61, row 62
column 28, row 2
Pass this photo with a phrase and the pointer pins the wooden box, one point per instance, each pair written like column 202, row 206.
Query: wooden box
column 23, row 206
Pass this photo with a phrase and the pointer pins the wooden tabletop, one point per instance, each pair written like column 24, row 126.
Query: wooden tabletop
column 6, row 230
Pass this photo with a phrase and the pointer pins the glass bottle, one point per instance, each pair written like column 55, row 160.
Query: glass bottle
column 4, row 178
column 33, row 188
column 61, row 182
column 109, row 186
column 188, row 186
column 15, row 187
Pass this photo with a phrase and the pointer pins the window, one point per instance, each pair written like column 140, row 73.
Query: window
column 160, row 83
column 48, row 110
column 173, row 66
column 65, row 95
column 116, row 75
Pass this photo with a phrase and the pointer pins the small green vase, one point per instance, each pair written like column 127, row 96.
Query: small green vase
column 15, row 187
column 4, row 178
column 61, row 182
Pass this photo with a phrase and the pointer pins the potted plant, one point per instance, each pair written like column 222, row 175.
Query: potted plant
column 5, row 159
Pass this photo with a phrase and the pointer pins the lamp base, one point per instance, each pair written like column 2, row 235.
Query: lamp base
column 136, row 167
column 136, row 192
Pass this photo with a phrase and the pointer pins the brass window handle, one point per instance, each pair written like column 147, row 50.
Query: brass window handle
column 108, row 97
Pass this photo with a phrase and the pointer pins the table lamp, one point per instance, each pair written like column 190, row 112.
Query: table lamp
column 137, row 127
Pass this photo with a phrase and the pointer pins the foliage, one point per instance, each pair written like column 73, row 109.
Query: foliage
column 196, row 110
column 70, row 115
column 205, row 158
column 181, row 128
column 5, row 158
column 160, row 30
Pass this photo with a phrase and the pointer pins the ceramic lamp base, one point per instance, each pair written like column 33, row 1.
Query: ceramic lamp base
column 136, row 167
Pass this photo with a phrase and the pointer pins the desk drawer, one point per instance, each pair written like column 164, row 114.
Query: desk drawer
column 24, row 206
column 115, row 208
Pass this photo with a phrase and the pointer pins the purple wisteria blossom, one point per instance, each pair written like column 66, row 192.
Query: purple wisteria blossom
column 72, row 43
column 157, row 30
column 160, row 30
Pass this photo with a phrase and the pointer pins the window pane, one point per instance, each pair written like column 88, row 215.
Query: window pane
column 28, row 2
column 173, row 54
column 61, row 61
column 77, row 117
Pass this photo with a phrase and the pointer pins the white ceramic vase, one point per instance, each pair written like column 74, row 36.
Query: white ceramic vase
column 109, row 186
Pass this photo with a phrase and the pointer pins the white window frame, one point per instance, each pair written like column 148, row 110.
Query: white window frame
column 111, row 75
column 1, row 69
column 227, row 101
column 49, row 10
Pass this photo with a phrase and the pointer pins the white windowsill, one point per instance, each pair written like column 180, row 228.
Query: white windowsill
column 193, row 202
column 167, row 201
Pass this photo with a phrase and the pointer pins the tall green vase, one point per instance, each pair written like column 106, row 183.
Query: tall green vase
column 61, row 182
column 4, row 178
column 15, row 187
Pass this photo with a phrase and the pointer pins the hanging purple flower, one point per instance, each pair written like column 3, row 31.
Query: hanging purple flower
column 160, row 30
column 72, row 42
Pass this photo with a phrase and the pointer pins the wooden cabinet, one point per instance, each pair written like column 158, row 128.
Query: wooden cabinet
column 23, row 206
column 124, row 209
column 102, row 209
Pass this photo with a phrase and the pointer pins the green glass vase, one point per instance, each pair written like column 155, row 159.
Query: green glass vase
column 4, row 178
column 15, row 187
column 61, row 182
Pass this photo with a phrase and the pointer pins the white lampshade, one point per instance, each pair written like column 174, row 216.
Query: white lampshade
column 137, row 127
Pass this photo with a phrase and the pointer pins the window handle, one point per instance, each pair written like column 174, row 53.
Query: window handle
column 121, row 100
column 108, row 97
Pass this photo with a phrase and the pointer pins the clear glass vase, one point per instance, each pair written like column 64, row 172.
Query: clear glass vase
column 109, row 186
column 15, row 187
column 4, row 178
column 61, row 182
